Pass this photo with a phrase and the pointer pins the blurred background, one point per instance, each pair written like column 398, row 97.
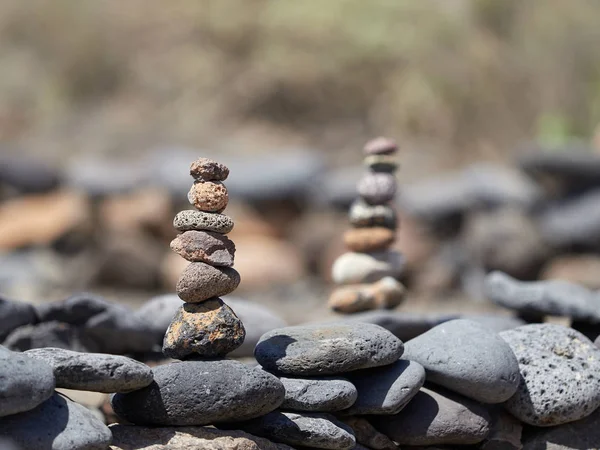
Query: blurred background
column 103, row 105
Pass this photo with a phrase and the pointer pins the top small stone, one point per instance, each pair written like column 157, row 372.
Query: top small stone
column 205, row 169
column 380, row 146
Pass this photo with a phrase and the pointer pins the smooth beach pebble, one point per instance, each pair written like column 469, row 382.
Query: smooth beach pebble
column 377, row 188
column 380, row 146
column 355, row 268
column 200, row 281
column 204, row 246
column 369, row 239
column 208, row 170
column 203, row 221
column 387, row 293
column 207, row 329
column 326, row 394
column 209, row 196
column 327, row 349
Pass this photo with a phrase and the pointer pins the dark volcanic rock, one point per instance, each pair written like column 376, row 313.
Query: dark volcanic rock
column 14, row 314
column 75, row 310
column 51, row 334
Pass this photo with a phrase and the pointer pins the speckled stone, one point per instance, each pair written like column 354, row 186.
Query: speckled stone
column 205, row 246
column 369, row 239
column 205, row 169
column 436, row 418
column 320, row 394
column 312, row 430
column 356, row 268
column 381, row 163
column 387, row 293
column 202, row 221
column 377, row 188
column 96, row 372
column 386, row 390
column 207, row 329
column 380, row 146
column 467, row 358
column 200, row 281
column 560, row 374
column 209, row 196
column 362, row 214
column 201, row 393
column 327, row 349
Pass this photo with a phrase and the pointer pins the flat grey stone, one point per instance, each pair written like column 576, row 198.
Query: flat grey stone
column 201, row 393
column 467, row 358
column 75, row 310
column 13, row 315
column 24, row 382
column 436, row 418
column 318, row 349
column 322, row 394
column 388, row 389
column 553, row 297
column 314, row 430
column 560, row 374
column 95, row 372
column 57, row 424
column 50, row 334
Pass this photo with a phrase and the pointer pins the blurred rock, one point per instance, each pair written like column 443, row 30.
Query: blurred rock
column 50, row 334
column 75, row 310
column 337, row 187
column 14, row 314
column 415, row 242
column 28, row 175
column 41, row 219
column 386, row 293
column 495, row 323
column 171, row 268
column 578, row 269
column 159, row 311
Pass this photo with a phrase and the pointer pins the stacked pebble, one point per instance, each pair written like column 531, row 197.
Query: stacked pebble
column 204, row 388
column 366, row 275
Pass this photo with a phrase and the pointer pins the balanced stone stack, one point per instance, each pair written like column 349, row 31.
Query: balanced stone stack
column 367, row 275
column 204, row 388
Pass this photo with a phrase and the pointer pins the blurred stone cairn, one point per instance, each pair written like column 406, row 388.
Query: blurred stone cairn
column 366, row 275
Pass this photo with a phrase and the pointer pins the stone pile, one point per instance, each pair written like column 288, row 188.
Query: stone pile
column 367, row 274
column 203, row 388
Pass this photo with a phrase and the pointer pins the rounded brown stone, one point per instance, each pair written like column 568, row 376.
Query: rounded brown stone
column 208, row 170
column 387, row 293
column 209, row 196
column 369, row 239
column 380, row 146
column 200, row 281
column 204, row 246
column 207, row 329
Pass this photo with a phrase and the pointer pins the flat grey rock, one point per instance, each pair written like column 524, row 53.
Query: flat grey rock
column 57, row 424
column 75, row 310
column 329, row 349
column 312, row 430
column 321, row 394
column 435, row 418
column 560, row 374
column 467, row 358
column 50, row 334
column 95, row 372
column 553, row 297
column 388, row 389
column 13, row 315
column 24, row 382
column 201, row 393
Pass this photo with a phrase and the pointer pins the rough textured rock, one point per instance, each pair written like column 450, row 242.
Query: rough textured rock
column 94, row 371
column 13, row 315
column 202, row 221
column 369, row 239
column 329, row 349
column 24, row 382
column 205, row 246
column 57, row 424
column 560, row 374
column 435, row 418
column 377, row 188
column 200, row 281
column 362, row 214
column 308, row 429
column 387, row 293
column 75, row 310
column 367, row 435
column 201, row 393
column 556, row 297
column 381, row 163
column 208, row 329
column 355, row 268
column 205, row 169
column 388, row 389
column 326, row 394
column 209, row 196
column 130, row 437
column 380, row 146
column 51, row 334
column 467, row 358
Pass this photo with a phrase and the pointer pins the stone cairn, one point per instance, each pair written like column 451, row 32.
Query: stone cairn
column 366, row 274
column 204, row 388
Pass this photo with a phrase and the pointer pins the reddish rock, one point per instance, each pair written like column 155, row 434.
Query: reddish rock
column 380, row 146
column 208, row 170
column 204, row 246
column 209, row 196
